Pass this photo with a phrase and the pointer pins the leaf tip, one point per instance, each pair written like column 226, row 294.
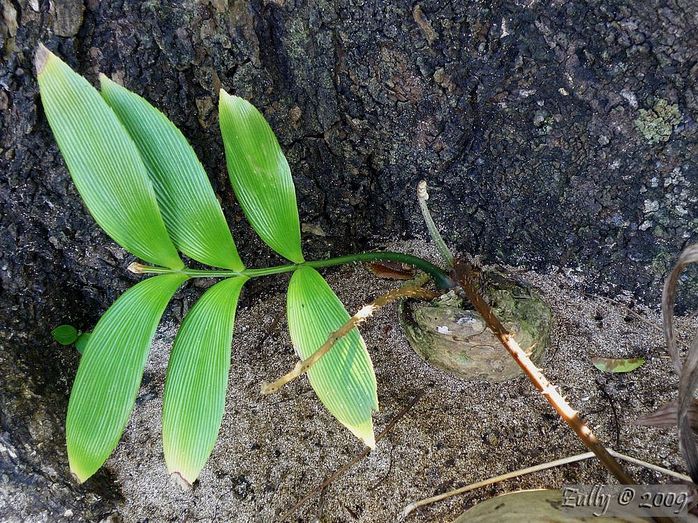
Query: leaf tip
column 365, row 433
column 77, row 478
column 180, row 480
column 232, row 100
column 41, row 56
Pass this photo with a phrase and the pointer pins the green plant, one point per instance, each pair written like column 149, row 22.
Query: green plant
column 144, row 185
column 69, row 335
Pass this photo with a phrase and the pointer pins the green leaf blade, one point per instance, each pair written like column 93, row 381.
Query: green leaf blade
column 343, row 379
column 103, row 162
column 189, row 206
column 197, row 380
column 260, row 176
column 110, row 372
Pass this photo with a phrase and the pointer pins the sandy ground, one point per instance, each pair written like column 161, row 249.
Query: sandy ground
column 274, row 450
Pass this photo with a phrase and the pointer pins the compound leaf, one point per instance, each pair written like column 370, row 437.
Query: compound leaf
column 110, row 372
column 343, row 379
column 103, row 162
column 260, row 176
column 197, row 380
column 189, row 206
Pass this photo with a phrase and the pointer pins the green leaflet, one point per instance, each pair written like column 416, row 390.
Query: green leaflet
column 260, row 176
column 197, row 380
column 65, row 334
column 110, row 372
column 103, row 162
column 343, row 379
column 189, row 206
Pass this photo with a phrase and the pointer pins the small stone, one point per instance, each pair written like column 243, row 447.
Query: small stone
column 424, row 24
column 68, row 17
column 539, row 118
column 630, row 97
column 443, row 79
column 313, row 229
column 651, row 206
column 295, row 114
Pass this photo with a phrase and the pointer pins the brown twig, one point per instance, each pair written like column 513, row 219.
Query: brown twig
column 361, row 455
column 411, row 291
column 463, row 275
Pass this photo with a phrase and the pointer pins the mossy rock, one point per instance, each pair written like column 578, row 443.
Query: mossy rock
column 451, row 336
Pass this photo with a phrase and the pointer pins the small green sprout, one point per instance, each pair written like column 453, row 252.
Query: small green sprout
column 69, row 335
column 65, row 334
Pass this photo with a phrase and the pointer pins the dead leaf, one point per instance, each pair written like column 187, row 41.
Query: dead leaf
column 392, row 270
column 667, row 416
column 617, row 364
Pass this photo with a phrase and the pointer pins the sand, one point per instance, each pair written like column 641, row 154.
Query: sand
column 274, row 450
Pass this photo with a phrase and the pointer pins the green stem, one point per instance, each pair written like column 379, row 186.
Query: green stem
column 438, row 275
column 422, row 197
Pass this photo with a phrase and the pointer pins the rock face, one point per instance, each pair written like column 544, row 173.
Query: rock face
column 551, row 134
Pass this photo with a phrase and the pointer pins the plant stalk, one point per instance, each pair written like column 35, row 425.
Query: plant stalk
column 441, row 279
column 463, row 274
column 422, row 197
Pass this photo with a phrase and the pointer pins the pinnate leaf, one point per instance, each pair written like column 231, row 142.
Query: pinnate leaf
column 103, row 162
column 110, row 372
column 343, row 379
column 260, row 176
column 189, row 206
column 197, row 380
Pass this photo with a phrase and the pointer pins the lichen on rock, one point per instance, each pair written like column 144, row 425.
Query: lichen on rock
column 657, row 124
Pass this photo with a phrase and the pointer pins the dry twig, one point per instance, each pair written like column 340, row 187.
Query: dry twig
column 536, row 468
column 411, row 291
column 463, row 275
